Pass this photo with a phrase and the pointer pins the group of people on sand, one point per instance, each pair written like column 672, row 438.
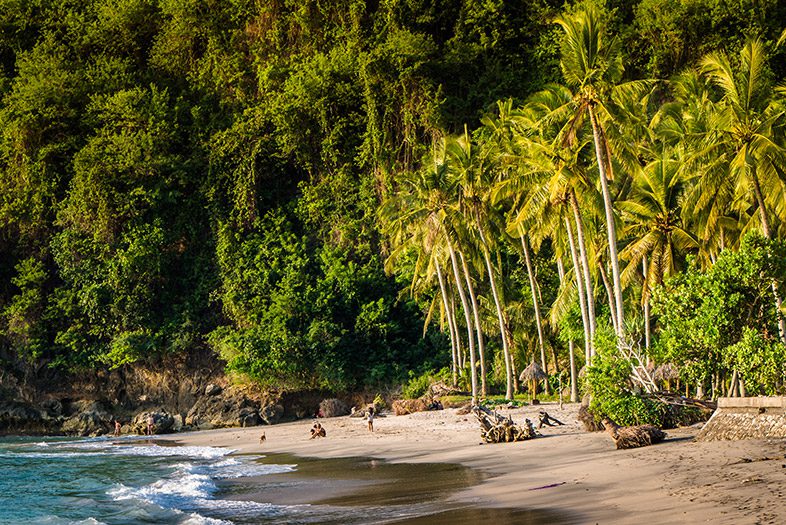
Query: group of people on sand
column 319, row 431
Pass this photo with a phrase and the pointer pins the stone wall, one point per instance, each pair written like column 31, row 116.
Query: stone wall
column 746, row 418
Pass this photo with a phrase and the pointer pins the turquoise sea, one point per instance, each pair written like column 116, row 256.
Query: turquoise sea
column 118, row 481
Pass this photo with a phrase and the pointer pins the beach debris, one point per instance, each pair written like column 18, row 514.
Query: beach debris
column 262, row 438
column 403, row 407
column 635, row 436
column 464, row 410
column 495, row 428
column 408, row 406
column 549, row 486
column 546, row 419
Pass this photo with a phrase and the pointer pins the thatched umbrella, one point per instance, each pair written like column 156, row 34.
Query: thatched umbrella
column 532, row 374
column 667, row 373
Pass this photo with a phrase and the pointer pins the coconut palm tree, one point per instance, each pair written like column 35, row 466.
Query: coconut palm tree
column 470, row 166
column 740, row 154
column 653, row 226
column 592, row 67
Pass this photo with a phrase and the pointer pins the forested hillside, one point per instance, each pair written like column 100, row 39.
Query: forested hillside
column 335, row 193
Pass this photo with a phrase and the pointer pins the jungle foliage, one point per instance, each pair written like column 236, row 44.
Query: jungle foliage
column 183, row 173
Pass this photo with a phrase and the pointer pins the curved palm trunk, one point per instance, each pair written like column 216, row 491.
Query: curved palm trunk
column 580, row 290
column 500, row 318
column 459, row 349
column 610, row 227
column 535, row 304
column 765, row 225
column 473, row 373
column 502, row 330
column 478, row 330
column 646, row 298
column 449, row 317
column 574, row 204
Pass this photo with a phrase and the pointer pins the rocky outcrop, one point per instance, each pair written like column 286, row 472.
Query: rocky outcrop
column 233, row 409
column 182, row 392
column 162, row 422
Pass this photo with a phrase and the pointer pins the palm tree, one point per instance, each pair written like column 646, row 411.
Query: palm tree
column 592, row 65
column 470, row 167
column 742, row 142
column 418, row 216
column 658, row 239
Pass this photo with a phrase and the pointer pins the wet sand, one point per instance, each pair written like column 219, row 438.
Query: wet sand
column 381, row 492
column 573, row 474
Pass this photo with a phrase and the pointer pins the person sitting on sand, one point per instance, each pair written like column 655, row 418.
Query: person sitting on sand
column 371, row 418
column 318, row 431
column 117, row 427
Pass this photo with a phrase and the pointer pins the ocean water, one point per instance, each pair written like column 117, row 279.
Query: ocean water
column 92, row 481
column 124, row 481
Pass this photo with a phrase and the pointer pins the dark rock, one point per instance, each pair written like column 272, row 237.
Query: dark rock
column 212, row 390
column 52, row 407
column 163, row 422
column 271, row 414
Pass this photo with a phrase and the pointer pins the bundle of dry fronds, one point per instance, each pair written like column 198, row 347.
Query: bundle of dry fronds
column 402, row 407
column 633, row 437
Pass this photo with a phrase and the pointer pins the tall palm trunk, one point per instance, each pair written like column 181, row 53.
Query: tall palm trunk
column 513, row 372
column 478, row 330
column 574, row 387
column 460, row 358
column 473, row 373
column 580, row 290
column 609, row 294
column 610, row 227
column 535, row 304
column 449, row 317
column 574, row 204
column 500, row 318
column 645, row 291
column 765, row 226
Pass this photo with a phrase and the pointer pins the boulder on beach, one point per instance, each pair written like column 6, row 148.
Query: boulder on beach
column 163, row 422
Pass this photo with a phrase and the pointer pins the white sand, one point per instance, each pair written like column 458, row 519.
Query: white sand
column 678, row 481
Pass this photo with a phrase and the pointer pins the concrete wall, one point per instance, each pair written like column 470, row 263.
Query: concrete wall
column 746, row 418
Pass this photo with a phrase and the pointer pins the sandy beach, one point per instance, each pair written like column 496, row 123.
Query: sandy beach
column 568, row 469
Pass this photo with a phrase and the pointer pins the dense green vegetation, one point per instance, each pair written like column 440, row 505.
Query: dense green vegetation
column 337, row 194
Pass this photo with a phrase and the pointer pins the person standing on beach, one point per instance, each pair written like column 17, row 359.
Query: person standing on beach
column 371, row 418
column 117, row 427
column 150, row 422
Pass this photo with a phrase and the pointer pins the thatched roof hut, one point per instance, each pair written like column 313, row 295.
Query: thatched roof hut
column 666, row 372
column 533, row 373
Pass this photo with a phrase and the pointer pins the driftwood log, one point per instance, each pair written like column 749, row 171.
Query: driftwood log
column 495, row 428
column 546, row 419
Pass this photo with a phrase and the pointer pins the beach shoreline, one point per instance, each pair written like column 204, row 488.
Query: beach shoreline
column 567, row 470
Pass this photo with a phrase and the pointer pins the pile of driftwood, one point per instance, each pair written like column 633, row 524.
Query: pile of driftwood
column 495, row 428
